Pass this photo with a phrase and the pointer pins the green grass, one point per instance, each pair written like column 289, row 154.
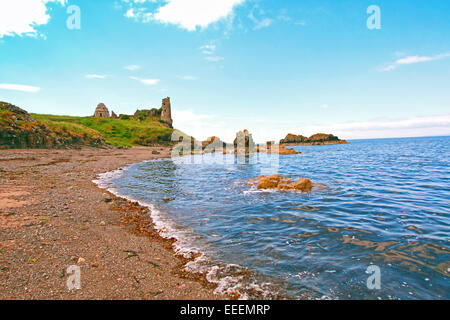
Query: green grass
column 117, row 132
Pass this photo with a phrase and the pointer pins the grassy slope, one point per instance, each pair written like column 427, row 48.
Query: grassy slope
column 116, row 132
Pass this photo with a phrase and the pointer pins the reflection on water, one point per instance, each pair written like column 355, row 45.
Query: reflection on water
column 387, row 203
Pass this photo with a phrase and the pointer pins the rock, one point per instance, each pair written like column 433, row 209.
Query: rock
column 302, row 184
column 156, row 152
column 316, row 139
column 281, row 149
column 322, row 137
column 269, row 182
column 282, row 183
column 243, row 143
column 81, row 260
column 114, row 115
column 292, row 138
column 213, row 144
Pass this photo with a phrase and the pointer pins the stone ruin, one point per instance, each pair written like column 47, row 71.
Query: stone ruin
column 101, row 111
column 164, row 114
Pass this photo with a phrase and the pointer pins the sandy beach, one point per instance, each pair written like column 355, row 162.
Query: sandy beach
column 53, row 216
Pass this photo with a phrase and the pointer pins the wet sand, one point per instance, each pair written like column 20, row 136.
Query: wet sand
column 53, row 216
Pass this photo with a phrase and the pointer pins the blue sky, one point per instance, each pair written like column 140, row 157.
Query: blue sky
column 273, row 67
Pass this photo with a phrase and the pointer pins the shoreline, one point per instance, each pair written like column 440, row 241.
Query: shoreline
column 52, row 215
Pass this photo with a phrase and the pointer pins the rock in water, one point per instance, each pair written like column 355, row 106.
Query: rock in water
column 282, row 183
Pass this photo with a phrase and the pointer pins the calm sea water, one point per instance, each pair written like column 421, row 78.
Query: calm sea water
column 387, row 203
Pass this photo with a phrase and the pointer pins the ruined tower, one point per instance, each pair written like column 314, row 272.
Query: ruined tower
column 101, row 111
column 166, row 113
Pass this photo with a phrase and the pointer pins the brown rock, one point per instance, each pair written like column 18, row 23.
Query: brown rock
column 269, row 182
column 292, row 138
column 281, row 149
column 282, row 183
column 302, row 184
column 316, row 139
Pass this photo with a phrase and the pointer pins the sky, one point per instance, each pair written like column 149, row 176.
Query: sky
column 272, row 67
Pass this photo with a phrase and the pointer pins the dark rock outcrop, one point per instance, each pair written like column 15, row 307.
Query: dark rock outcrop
column 317, row 139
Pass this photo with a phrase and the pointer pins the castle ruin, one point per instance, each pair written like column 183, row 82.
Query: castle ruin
column 101, row 111
column 164, row 114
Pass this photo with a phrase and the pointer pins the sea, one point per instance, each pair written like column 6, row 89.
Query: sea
column 375, row 226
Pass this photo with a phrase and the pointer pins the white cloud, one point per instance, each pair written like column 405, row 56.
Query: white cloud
column 407, row 127
column 22, row 17
column 148, row 82
column 186, row 14
column 202, row 126
column 324, row 106
column 208, row 48
column 132, row 67
column 19, row 87
column 95, row 76
column 412, row 60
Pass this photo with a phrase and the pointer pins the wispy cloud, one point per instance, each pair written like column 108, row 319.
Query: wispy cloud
column 22, row 17
column 132, row 67
column 19, row 87
column 412, row 60
column 186, row 14
column 324, row 106
column 260, row 22
column 208, row 48
column 148, row 82
column 95, row 76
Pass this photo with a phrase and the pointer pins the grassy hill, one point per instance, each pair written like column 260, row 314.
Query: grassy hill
column 18, row 129
column 117, row 132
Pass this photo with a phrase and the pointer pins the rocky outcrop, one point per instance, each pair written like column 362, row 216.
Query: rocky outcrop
column 243, row 143
column 18, row 130
column 213, row 144
column 292, row 138
column 317, row 139
column 281, row 183
column 281, row 149
column 114, row 115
